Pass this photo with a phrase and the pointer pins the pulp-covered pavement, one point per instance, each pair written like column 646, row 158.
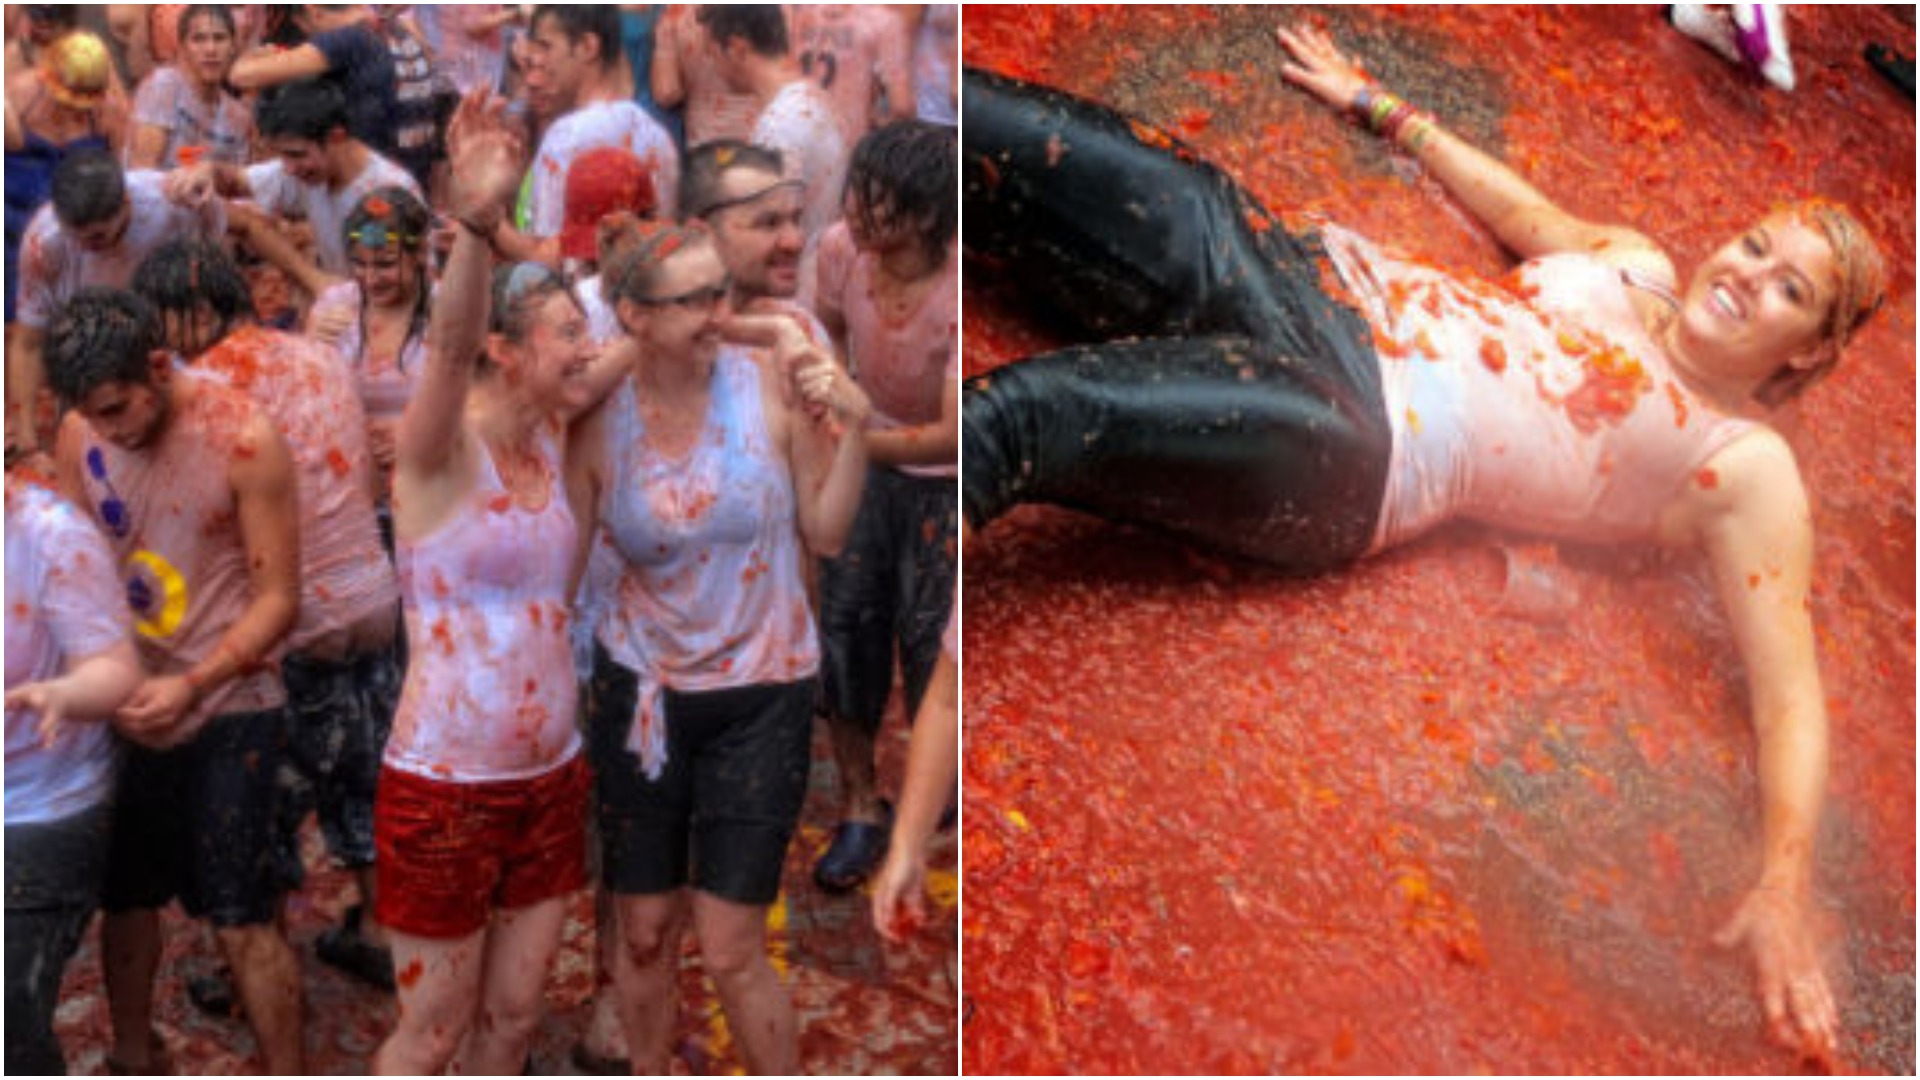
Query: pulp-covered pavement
column 1217, row 819
column 864, row 1007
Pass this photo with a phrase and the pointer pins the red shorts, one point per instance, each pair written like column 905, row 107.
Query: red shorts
column 451, row 853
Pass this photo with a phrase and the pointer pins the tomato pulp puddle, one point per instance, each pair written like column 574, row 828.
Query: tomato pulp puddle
column 1221, row 820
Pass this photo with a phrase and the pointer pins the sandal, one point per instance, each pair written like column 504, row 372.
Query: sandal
column 856, row 852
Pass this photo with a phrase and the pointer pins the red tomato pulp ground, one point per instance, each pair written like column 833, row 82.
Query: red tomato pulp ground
column 1221, row 820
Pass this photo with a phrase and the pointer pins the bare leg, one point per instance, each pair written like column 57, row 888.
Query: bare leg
column 129, row 956
column 371, row 931
column 439, row 989
column 518, row 954
column 649, row 955
column 733, row 945
column 267, row 974
column 605, row 1036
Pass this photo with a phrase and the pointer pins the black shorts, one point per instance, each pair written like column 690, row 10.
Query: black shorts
column 727, row 802
column 198, row 822
column 338, row 718
column 892, row 585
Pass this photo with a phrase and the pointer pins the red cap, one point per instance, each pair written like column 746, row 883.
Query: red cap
column 602, row 181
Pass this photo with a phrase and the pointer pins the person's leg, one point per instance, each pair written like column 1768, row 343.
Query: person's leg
column 858, row 601
column 235, row 883
column 733, row 949
column 520, row 946
column 148, row 851
column 1125, row 231
column 1220, row 440
column 267, row 974
column 645, row 970
column 53, row 876
column 129, row 956
column 929, row 562
column 439, row 990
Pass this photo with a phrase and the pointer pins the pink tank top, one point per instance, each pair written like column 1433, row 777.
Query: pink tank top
column 344, row 575
column 169, row 514
column 710, row 594
column 489, row 692
column 1546, row 408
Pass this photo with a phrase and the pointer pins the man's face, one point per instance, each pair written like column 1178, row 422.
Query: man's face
column 555, row 68
column 102, row 235
column 128, row 415
column 760, row 239
column 304, row 159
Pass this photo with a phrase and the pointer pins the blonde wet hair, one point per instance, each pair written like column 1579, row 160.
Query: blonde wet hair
column 1860, row 287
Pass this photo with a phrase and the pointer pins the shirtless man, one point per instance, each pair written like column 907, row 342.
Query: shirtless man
column 686, row 75
column 857, row 54
column 195, row 491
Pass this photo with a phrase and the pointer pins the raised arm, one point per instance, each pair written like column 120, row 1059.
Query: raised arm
column 485, row 153
column 1523, row 218
column 669, row 86
column 1754, row 524
column 256, row 229
column 267, row 67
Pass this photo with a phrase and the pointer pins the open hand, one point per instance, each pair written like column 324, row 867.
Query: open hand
column 1774, row 926
column 48, row 701
column 487, row 154
column 1318, row 67
column 900, row 895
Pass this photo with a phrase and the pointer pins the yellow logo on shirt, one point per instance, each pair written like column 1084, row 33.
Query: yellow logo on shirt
column 157, row 593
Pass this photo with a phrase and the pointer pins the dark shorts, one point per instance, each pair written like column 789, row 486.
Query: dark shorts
column 453, row 853
column 891, row 586
column 198, row 822
column 726, row 804
column 339, row 715
column 54, row 871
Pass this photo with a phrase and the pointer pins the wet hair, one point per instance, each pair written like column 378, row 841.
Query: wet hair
column 310, row 109
column 519, row 291
column 219, row 13
column 88, row 187
column 905, row 172
column 1860, row 274
column 100, row 336
column 398, row 216
column 635, row 272
column 763, row 25
column 182, row 274
column 578, row 20
column 709, row 162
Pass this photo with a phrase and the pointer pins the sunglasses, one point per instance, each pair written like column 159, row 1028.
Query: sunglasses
column 708, row 297
column 113, row 509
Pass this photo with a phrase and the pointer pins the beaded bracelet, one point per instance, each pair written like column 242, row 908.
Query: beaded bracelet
column 1392, row 118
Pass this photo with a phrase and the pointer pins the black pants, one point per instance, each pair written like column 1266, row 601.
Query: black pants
column 54, row 872
column 1248, row 416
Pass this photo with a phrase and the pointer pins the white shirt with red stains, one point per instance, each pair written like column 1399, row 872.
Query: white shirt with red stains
column 53, row 267
column 851, row 52
column 65, row 602
column 1542, row 406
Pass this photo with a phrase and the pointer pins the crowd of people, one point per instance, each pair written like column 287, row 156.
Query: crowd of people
column 494, row 432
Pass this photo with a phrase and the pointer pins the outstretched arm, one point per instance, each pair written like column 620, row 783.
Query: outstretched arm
column 1754, row 524
column 1523, row 218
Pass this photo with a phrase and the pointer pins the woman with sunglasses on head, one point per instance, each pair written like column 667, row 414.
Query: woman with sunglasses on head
column 480, row 818
column 1311, row 399
column 713, row 468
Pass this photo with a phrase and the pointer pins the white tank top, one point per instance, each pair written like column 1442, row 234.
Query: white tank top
column 489, row 692
column 710, row 593
column 1545, row 408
